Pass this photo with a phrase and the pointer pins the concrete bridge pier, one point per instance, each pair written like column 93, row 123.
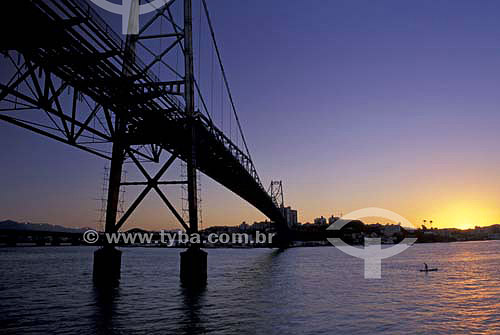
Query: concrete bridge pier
column 107, row 265
column 194, row 267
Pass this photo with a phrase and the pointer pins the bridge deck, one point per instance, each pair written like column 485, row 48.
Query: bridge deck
column 72, row 42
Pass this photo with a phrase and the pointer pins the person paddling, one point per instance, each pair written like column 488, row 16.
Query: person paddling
column 427, row 269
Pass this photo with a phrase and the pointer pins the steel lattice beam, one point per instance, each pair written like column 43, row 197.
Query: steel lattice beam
column 84, row 57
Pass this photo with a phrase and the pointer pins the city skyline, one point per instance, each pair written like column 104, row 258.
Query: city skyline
column 396, row 107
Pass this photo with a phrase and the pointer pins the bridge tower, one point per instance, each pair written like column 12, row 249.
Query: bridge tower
column 107, row 260
column 194, row 260
column 276, row 193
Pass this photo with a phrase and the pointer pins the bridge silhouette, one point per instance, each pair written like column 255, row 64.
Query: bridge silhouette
column 116, row 100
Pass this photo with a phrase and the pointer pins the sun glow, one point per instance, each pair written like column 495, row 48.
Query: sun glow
column 464, row 216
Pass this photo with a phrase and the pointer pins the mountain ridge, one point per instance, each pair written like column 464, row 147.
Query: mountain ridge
column 14, row 225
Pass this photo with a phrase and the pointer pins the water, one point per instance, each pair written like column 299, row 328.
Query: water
column 48, row 290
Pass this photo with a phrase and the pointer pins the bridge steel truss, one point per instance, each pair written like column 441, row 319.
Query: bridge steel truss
column 117, row 108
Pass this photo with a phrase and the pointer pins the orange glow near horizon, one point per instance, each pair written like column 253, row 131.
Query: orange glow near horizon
column 463, row 215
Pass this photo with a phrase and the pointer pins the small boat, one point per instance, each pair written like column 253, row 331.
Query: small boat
column 427, row 269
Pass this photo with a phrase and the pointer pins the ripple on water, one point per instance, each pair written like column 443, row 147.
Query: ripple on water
column 298, row 291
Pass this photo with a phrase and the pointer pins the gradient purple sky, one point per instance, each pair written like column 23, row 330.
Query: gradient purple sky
column 352, row 103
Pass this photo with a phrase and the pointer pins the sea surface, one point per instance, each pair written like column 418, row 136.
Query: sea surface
column 48, row 290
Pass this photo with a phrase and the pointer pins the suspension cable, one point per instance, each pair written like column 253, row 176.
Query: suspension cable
column 222, row 103
column 212, row 81
column 212, row 32
column 199, row 52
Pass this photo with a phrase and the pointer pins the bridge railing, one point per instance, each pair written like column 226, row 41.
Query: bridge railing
column 237, row 153
column 86, row 10
column 140, row 69
column 89, row 13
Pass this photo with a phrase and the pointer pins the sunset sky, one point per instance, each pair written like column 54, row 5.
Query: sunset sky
column 352, row 103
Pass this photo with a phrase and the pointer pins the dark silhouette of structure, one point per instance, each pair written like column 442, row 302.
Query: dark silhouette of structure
column 276, row 192
column 117, row 101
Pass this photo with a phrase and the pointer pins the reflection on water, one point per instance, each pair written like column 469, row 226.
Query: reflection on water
column 296, row 291
column 193, row 301
column 105, row 307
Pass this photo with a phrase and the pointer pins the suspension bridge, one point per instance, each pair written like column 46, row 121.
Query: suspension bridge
column 131, row 98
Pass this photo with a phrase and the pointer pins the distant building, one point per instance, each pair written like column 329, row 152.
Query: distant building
column 332, row 219
column 261, row 226
column 390, row 230
column 320, row 220
column 290, row 215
